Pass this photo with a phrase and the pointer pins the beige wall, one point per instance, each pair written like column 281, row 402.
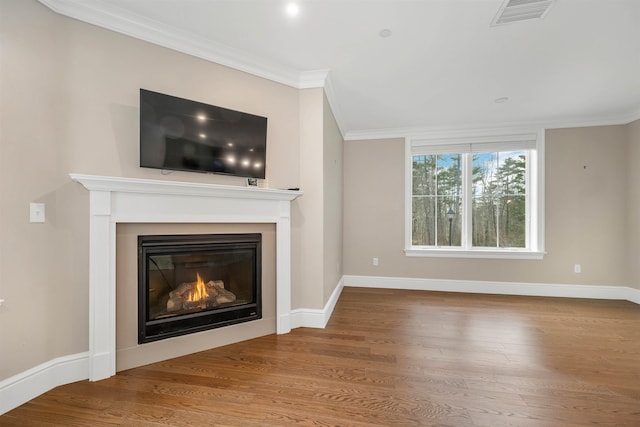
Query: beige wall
column 333, row 147
column 633, row 204
column 586, row 187
column 308, row 222
column 43, row 267
column 69, row 104
column 318, row 220
column 586, row 192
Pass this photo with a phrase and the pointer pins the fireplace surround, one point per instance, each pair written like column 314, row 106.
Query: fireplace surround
column 114, row 200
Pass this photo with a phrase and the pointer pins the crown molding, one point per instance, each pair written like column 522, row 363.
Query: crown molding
column 312, row 79
column 632, row 116
column 106, row 15
column 408, row 132
column 333, row 103
column 441, row 131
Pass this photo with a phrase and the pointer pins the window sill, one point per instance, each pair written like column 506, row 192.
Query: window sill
column 475, row 253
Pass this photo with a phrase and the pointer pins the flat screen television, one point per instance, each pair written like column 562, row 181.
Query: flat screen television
column 184, row 135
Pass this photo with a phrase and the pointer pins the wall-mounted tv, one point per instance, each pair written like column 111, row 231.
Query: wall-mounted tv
column 179, row 134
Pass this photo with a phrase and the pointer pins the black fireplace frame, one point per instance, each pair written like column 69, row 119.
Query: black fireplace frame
column 150, row 245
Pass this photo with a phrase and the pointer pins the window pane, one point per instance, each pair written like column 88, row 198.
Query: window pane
column 512, row 220
column 449, row 221
column 511, row 172
column 449, row 180
column 424, row 172
column 424, row 186
column 424, row 209
column 499, row 199
column 449, row 175
column 484, row 222
column 437, row 187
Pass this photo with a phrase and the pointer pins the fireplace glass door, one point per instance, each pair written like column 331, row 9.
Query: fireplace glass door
column 191, row 283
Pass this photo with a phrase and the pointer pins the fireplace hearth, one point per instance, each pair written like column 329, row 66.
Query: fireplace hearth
column 192, row 283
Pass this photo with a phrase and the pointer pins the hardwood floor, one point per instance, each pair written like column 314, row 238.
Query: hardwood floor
column 388, row 358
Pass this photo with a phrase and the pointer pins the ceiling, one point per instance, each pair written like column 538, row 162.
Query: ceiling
column 443, row 66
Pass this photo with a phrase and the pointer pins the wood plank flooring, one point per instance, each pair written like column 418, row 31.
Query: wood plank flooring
column 388, row 358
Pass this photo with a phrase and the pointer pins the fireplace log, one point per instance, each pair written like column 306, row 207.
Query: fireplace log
column 224, row 295
column 217, row 294
column 175, row 303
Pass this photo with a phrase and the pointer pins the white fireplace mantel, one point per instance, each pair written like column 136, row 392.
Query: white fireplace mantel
column 127, row 200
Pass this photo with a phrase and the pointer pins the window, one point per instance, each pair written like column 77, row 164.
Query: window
column 479, row 196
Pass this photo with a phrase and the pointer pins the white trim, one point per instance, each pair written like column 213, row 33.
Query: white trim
column 407, row 132
column 468, row 140
column 535, row 192
column 316, row 318
column 116, row 199
column 312, row 79
column 633, row 116
column 538, row 187
column 107, row 15
column 330, row 93
column 499, row 288
column 475, row 253
column 179, row 188
column 632, row 295
column 20, row 388
column 408, row 194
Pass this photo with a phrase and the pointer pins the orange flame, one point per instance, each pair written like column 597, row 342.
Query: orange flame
column 200, row 292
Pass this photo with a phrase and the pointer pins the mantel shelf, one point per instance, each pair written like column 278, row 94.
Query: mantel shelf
column 150, row 186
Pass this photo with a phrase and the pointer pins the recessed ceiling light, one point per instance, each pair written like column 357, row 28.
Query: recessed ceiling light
column 202, row 135
column 501, row 100
column 385, row 33
column 293, row 9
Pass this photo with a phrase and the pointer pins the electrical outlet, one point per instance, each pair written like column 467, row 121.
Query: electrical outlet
column 577, row 268
column 36, row 212
column 376, row 261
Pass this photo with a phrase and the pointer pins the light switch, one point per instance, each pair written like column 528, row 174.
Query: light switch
column 36, row 212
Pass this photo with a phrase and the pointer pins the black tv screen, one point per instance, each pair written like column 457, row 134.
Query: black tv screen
column 179, row 134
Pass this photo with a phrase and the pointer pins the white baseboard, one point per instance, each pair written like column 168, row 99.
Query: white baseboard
column 21, row 388
column 27, row 385
column 633, row 295
column 502, row 288
column 316, row 318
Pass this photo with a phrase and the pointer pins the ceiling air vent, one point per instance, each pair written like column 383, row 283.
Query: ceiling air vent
column 521, row 10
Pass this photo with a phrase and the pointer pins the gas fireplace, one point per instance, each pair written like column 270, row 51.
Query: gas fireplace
column 191, row 283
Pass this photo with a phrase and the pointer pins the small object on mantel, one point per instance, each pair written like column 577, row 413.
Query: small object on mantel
column 294, row 189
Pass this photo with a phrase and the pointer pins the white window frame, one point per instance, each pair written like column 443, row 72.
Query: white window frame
column 535, row 214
